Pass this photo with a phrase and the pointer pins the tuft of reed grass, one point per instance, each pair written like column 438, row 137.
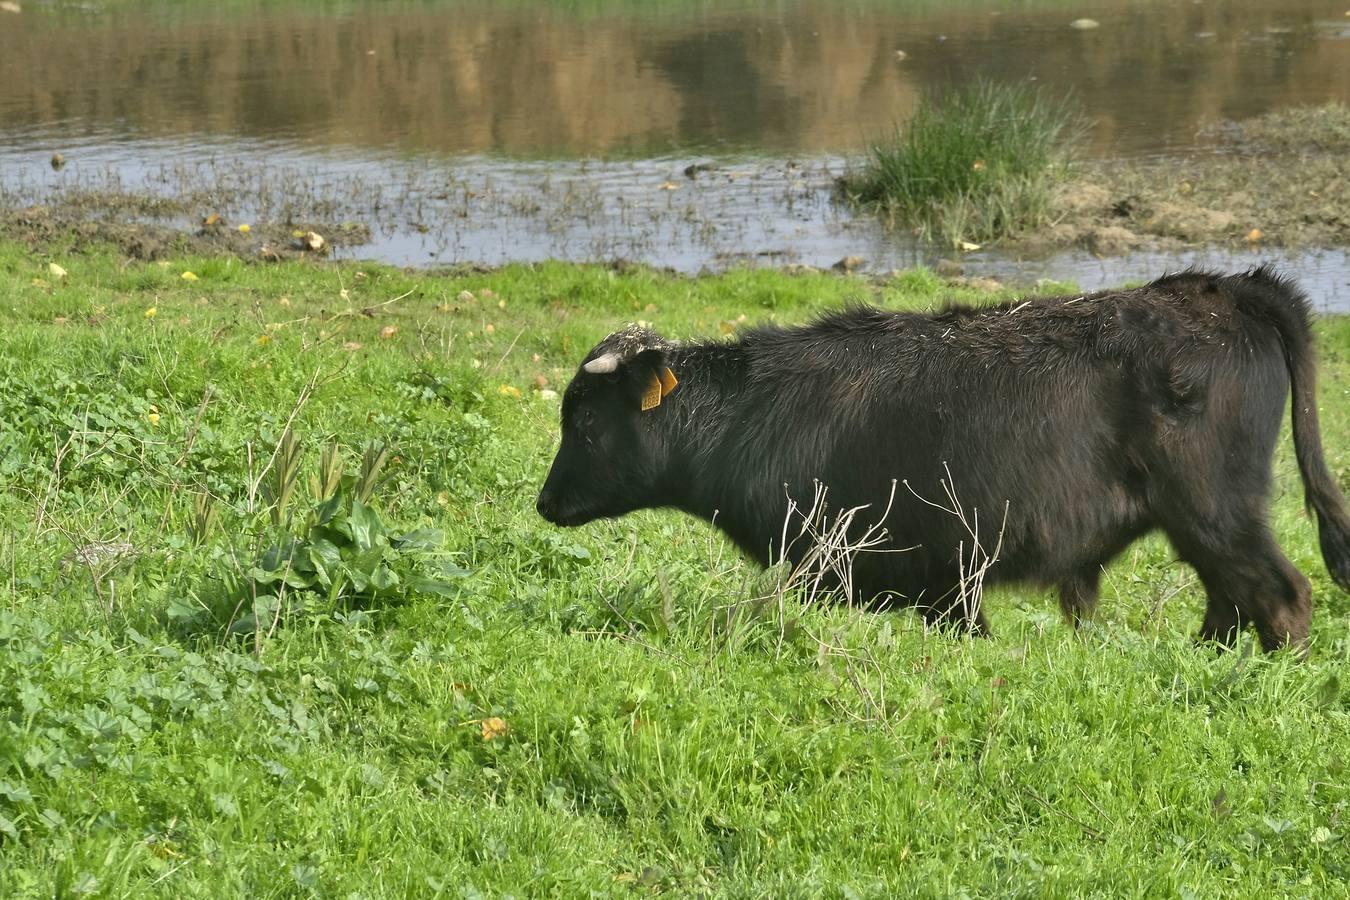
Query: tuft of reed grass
column 975, row 163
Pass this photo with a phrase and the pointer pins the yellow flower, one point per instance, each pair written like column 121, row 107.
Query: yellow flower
column 244, row 229
column 188, row 276
column 509, row 390
column 153, row 418
column 264, row 340
column 151, row 312
column 57, row 271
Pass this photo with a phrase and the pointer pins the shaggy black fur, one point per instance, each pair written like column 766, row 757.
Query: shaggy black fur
column 1088, row 420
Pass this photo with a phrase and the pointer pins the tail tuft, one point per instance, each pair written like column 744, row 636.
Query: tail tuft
column 1335, row 540
column 1271, row 298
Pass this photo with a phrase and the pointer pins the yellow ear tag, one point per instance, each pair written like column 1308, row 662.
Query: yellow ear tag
column 651, row 397
column 660, row 386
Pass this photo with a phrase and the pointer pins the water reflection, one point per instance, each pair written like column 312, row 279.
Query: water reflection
column 606, row 78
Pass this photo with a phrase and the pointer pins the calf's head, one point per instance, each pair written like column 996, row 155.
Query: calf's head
column 611, row 456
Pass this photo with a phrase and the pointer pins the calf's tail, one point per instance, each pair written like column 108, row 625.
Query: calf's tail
column 1286, row 306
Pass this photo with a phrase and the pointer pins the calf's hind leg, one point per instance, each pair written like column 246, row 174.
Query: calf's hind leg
column 1248, row 579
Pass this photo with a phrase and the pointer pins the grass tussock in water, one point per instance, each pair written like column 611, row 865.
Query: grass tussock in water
column 974, row 164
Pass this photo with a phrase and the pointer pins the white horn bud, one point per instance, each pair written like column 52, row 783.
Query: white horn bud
column 603, row 365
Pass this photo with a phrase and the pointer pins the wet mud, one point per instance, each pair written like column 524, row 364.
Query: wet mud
column 1278, row 181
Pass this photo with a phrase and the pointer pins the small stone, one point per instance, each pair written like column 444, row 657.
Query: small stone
column 901, row 56
column 983, row 285
column 849, row 263
column 1111, row 240
column 1085, row 24
column 58, row 161
column 949, row 268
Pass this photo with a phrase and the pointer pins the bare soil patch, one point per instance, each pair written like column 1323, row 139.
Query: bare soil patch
column 1279, row 180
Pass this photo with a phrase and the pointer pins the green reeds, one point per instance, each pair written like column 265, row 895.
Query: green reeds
column 975, row 163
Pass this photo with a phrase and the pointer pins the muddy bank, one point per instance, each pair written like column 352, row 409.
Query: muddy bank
column 1280, row 180
column 75, row 226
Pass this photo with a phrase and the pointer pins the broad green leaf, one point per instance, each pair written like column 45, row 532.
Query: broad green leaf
column 360, row 579
column 365, row 525
column 437, row 586
column 328, row 509
column 420, row 539
column 15, row 793
column 325, row 557
column 384, row 579
column 288, row 576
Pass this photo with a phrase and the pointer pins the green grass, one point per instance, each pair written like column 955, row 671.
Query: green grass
column 975, row 163
column 590, row 712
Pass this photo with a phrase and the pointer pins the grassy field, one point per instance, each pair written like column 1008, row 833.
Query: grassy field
column 229, row 669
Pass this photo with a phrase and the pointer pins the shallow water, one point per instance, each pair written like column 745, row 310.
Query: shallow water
column 531, row 78
column 522, row 130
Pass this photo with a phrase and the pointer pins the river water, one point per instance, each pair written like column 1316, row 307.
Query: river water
column 523, row 129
